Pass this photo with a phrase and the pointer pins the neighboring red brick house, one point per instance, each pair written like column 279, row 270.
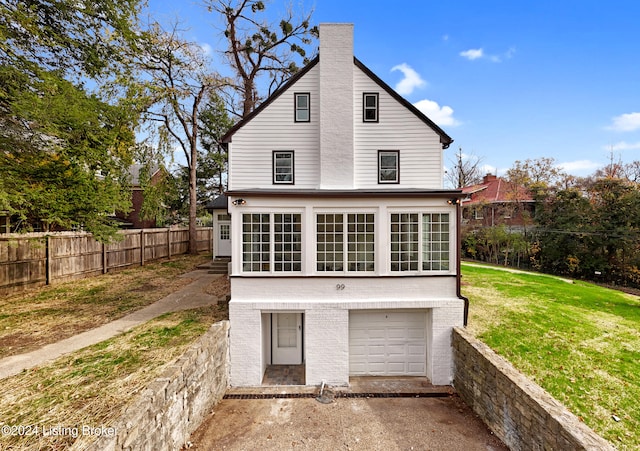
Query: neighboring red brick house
column 497, row 201
column 132, row 218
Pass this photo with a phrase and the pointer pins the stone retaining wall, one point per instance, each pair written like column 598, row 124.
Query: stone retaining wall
column 518, row 411
column 174, row 405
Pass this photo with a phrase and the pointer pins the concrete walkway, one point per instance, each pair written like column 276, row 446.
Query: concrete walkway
column 189, row 297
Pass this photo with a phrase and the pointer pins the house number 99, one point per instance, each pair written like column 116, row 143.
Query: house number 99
column 340, row 286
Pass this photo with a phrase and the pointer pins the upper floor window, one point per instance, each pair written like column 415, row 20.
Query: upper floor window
column 283, row 167
column 388, row 166
column 370, row 107
column 302, row 106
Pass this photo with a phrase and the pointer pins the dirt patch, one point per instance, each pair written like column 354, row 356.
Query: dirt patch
column 345, row 424
column 49, row 314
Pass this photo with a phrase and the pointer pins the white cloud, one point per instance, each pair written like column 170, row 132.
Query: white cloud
column 579, row 167
column 489, row 169
column 472, row 54
column 411, row 80
column 206, row 48
column 625, row 122
column 622, row 145
column 440, row 115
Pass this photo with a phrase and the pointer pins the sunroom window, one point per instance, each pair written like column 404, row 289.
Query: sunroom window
column 263, row 251
column 355, row 233
column 420, row 245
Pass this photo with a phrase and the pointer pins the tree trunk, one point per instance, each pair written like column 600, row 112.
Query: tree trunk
column 193, row 202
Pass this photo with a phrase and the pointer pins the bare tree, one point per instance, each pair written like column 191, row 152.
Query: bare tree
column 631, row 171
column 257, row 48
column 172, row 85
column 466, row 170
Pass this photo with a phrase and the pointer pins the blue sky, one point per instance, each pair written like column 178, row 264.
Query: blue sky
column 507, row 80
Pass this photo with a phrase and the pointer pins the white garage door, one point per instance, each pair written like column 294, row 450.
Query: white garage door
column 387, row 343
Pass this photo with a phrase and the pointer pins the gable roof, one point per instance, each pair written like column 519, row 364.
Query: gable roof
column 495, row 190
column 242, row 122
column 445, row 139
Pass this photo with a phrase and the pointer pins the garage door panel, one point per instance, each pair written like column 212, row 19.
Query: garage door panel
column 387, row 343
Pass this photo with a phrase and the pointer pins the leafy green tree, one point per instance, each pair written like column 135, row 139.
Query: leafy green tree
column 565, row 234
column 214, row 123
column 63, row 153
column 617, row 214
column 83, row 38
column 258, row 50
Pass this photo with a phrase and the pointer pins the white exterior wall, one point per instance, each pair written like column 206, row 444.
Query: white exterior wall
column 325, row 307
column 421, row 164
column 336, row 105
column 245, row 345
column 336, row 149
column 326, row 346
column 326, row 337
column 250, row 152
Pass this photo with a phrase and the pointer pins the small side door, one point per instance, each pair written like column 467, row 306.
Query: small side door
column 286, row 339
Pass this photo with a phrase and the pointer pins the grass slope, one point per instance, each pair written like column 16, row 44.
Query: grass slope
column 580, row 342
column 93, row 386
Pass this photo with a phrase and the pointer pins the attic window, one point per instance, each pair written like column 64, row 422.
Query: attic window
column 302, row 101
column 370, row 107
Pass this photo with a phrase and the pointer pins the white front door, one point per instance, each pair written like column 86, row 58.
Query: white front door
column 286, row 339
column 224, row 239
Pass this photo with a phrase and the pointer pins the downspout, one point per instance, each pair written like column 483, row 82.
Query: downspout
column 458, row 259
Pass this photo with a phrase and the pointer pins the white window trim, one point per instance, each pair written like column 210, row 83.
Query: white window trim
column 396, row 154
column 272, row 251
column 274, row 158
column 376, row 245
column 420, row 271
column 296, row 109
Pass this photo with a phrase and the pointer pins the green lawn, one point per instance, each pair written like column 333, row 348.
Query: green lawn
column 580, row 342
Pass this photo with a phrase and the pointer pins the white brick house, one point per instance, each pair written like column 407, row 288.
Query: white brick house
column 344, row 242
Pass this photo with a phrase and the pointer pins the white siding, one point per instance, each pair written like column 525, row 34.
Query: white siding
column 397, row 129
column 250, row 160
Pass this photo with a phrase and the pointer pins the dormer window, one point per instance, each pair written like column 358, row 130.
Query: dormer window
column 302, row 110
column 370, row 107
column 388, row 166
column 283, row 167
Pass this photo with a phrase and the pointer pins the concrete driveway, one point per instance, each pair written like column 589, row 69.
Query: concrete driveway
column 345, row 423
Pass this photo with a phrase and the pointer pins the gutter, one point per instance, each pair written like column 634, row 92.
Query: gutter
column 458, row 265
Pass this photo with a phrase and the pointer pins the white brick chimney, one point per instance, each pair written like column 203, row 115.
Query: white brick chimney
column 336, row 106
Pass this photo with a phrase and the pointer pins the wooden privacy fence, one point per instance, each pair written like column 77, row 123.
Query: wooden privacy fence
column 33, row 260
